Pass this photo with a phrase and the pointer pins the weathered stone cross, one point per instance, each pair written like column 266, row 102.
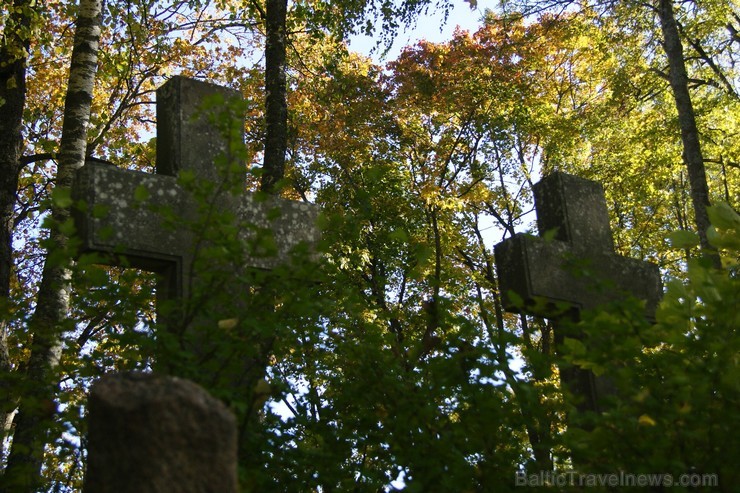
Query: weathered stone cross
column 544, row 273
column 146, row 221
column 123, row 217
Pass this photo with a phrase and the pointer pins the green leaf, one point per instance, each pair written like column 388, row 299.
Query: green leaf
column 106, row 232
column 62, row 197
column 723, row 217
column 274, row 213
column 186, row 177
column 550, row 234
column 683, row 239
column 67, row 227
column 141, row 194
column 515, row 299
column 574, row 346
column 399, row 234
column 100, row 211
column 97, row 276
column 594, row 368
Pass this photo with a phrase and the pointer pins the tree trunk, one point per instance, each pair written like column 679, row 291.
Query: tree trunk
column 692, row 155
column 37, row 405
column 276, row 105
column 13, row 52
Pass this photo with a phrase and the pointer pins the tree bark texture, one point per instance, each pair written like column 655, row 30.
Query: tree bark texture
column 692, row 155
column 14, row 47
column 37, row 407
column 276, row 105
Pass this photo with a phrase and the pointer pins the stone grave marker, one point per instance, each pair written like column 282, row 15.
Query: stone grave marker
column 544, row 274
column 146, row 221
column 132, row 231
column 150, row 434
column 124, row 216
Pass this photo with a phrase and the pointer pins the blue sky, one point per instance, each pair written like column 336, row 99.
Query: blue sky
column 429, row 27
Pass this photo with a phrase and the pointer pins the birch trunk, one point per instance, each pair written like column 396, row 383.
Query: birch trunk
column 37, row 406
column 692, row 155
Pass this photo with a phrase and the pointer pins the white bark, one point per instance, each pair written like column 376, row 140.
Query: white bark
column 47, row 324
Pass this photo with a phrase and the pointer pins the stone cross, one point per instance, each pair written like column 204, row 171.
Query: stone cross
column 123, row 217
column 147, row 221
column 577, row 268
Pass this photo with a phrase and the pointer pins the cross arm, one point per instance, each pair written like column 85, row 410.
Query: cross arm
column 122, row 215
column 123, row 219
column 291, row 224
column 551, row 271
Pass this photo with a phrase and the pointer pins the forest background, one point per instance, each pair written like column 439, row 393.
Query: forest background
column 399, row 369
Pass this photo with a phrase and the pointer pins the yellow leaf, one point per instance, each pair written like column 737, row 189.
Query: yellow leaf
column 646, row 420
column 262, row 391
column 228, row 323
column 642, row 395
column 262, row 387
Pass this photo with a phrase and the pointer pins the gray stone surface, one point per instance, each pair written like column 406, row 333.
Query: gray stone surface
column 135, row 230
column 123, row 217
column 150, row 434
column 578, row 266
column 186, row 139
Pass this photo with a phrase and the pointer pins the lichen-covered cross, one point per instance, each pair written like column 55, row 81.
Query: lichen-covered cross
column 577, row 268
column 132, row 231
column 131, row 226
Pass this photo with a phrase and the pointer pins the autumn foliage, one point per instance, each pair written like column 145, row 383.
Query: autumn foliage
column 398, row 368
